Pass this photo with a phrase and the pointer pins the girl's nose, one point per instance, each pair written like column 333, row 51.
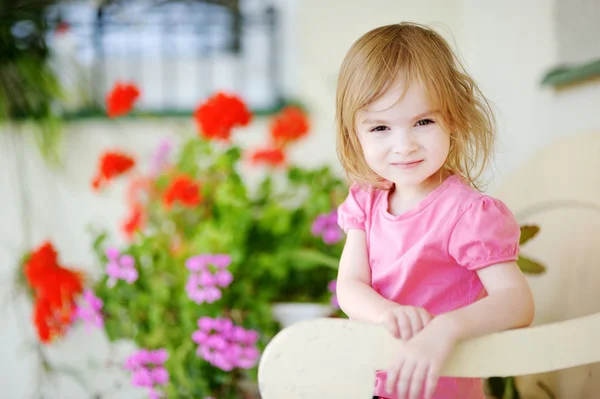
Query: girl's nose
column 404, row 144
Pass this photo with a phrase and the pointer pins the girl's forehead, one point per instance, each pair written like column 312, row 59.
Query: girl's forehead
column 401, row 96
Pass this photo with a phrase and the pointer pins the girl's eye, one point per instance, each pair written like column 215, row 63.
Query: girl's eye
column 378, row 128
column 424, row 122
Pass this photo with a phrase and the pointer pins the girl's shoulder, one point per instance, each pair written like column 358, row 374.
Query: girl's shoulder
column 465, row 196
column 475, row 208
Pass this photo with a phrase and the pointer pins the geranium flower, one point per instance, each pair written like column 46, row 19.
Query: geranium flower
column 120, row 267
column 121, row 99
column 149, row 371
column 111, row 165
column 289, row 125
column 203, row 283
column 55, row 290
column 220, row 114
column 183, row 190
column 134, row 222
column 268, row 156
column 89, row 310
column 225, row 345
column 325, row 226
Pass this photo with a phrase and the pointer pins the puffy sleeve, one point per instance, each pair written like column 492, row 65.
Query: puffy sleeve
column 486, row 233
column 352, row 212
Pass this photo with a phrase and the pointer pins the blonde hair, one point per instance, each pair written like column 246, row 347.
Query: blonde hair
column 374, row 62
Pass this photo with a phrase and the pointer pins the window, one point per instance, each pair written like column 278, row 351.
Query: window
column 177, row 52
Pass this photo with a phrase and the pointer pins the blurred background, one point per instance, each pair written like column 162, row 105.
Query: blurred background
column 538, row 61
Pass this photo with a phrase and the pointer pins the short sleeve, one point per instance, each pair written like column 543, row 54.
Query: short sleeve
column 486, row 234
column 352, row 212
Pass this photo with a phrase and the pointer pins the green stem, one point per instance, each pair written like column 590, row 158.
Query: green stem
column 317, row 257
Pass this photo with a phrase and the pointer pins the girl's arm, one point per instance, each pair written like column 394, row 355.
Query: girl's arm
column 353, row 288
column 509, row 305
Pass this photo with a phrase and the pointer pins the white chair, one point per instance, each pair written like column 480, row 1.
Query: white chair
column 337, row 358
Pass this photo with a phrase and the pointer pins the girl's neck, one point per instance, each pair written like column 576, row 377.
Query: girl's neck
column 404, row 198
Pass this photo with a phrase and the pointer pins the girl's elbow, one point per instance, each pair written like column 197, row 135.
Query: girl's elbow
column 529, row 310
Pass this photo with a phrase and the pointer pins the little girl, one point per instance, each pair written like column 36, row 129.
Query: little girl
column 426, row 254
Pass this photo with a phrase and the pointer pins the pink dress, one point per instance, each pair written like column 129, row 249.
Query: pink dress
column 428, row 256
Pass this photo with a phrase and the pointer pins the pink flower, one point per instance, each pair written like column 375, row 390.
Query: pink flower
column 223, row 278
column 206, row 323
column 325, row 226
column 148, row 370
column 204, row 280
column 160, row 158
column 158, row 356
column 154, row 394
column 225, row 345
column 89, row 310
column 199, row 337
column 221, row 260
column 197, row 263
column 120, row 267
column 332, row 288
column 160, row 376
column 142, row 378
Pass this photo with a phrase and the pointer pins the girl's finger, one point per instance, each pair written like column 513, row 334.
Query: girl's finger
column 425, row 316
column 431, row 381
column 404, row 326
column 391, row 325
column 392, row 376
column 404, row 379
column 418, row 378
column 415, row 320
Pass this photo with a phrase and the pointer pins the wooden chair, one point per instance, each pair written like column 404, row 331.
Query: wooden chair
column 337, row 358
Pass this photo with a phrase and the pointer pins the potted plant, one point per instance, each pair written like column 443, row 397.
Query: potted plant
column 205, row 258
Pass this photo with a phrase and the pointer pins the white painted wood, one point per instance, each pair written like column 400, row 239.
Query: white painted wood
column 338, row 358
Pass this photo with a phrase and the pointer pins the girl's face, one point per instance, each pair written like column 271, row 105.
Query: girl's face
column 401, row 138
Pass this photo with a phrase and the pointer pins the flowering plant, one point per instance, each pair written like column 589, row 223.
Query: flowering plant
column 205, row 254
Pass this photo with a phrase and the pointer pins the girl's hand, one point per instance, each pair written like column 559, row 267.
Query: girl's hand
column 418, row 367
column 404, row 322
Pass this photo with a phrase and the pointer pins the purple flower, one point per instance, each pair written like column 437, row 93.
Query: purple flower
column 158, row 356
column 160, row 158
column 89, row 310
column 200, row 337
column 197, row 263
column 325, row 226
column 221, row 260
column 206, row 323
column 154, row 394
column 203, row 279
column 223, row 278
column 148, row 370
column 225, row 345
column 142, row 378
column 332, row 287
column 160, row 375
column 120, row 267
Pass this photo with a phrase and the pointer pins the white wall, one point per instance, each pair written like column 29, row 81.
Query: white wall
column 506, row 45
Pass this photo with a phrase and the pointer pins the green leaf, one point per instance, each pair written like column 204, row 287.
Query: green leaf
column 530, row 266
column 528, row 232
column 312, row 258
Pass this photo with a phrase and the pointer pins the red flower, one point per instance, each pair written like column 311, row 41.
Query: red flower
column 289, row 125
column 184, row 190
column 55, row 290
column 121, row 99
column 62, row 27
column 268, row 156
column 219, row 114
column 111, row 165
column 134, row 222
